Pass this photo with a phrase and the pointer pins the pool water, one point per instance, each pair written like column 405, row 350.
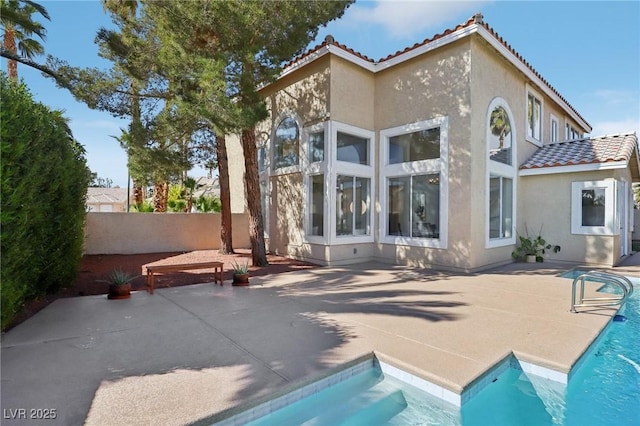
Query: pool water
column 605, row 390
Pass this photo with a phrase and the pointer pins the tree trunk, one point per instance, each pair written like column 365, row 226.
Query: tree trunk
column 10, row 45
column 138, row 196
column 226, row 240
column 160, row 195
column 252, row 182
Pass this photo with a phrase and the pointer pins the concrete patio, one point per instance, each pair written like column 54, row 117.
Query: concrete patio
column 187, row 353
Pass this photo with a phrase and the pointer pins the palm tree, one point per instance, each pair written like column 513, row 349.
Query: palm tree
column 18, row 26
column 499, row 124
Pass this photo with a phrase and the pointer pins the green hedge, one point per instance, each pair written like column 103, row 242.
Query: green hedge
column 44, row 185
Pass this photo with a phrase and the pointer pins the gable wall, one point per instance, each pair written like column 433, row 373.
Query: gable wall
column 304, row 93
column 433, row 85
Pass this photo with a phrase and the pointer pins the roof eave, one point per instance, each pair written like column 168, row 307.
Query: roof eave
column 574, row 168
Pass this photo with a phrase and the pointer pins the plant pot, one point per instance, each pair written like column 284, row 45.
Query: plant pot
column 240, row 280
column 119, row 291
column 531, row 258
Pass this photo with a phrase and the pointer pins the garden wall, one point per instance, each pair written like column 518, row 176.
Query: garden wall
column 131, row 233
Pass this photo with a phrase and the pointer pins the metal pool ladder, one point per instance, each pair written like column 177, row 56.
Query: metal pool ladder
column 605, row 278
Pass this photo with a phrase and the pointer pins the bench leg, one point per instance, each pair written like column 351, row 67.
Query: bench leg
column 150, row 282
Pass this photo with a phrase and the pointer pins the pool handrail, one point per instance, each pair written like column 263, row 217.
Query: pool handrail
column 604, row 278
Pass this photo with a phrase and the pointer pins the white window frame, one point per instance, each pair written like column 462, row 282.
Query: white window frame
column 498, row 169
column 538, row 96
column 432, row 166
column 611, row 225
column 345, row 168
column 554, row 136
column 301, row 151
column 570, row 132
column 312, row 169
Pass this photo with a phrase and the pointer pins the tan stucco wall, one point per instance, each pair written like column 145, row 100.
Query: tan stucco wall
column 129, row 233
column 545, row 202
column 433, row 85
column 352, row 94
column 286, row 213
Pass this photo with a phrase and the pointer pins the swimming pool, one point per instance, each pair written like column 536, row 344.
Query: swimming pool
column 604, row 390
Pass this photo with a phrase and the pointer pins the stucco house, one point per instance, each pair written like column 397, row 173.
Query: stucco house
column 107, row 199
column 435, row 156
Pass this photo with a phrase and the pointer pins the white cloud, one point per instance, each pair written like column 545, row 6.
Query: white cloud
column 407, row 19
column 616, row 97
column 627, row 125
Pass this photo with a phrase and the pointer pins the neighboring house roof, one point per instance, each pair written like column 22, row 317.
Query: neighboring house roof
column 606, row 152
column 475, row 24
column 106, row 195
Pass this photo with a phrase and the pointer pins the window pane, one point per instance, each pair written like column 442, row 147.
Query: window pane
column 262, row 159
column 425, row 203
column 316, row 147
column 507, row 207
column 353, row 149
column 264, row 201
column 317, row 205
column 344, row 205
column 593, row 204
column 534, row 110
column 286, row 145
column 417, row 146
column 554, row 131
column 500, row 139
column 399, row 206
column 494, row 207
column 362, row 211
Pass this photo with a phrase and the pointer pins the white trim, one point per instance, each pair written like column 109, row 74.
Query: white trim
column 344, row 168
column 530, row 90
column 301, row 151
column 610, row 226
column 496, row 168
column 554, row 119
column 433, row 166
column 609, row 165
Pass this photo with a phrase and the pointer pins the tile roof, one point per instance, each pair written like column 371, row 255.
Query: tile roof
column 475, row 19
column 603, row 149
column 106, row 195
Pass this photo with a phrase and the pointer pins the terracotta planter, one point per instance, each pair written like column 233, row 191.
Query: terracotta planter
column 240, row 279
column 119, row 291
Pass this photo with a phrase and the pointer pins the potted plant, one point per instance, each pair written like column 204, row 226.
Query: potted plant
column 240, row 274
column 119, row 284
column 532, row 249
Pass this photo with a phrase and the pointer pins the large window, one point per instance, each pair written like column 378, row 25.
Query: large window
column 316, row 206
column 500, row 135
column 286, row 147
column 534, row 117
column 352, row 149
column 501, row 173
column 416, row 146
column 500, row 207
column 414, row 174
column 593, row 208
column 338, row 177
column 414, row 206
column 352, row 206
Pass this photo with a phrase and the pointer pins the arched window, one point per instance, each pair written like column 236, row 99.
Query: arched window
column 501, row 174
column 286, row 149
column 500, row 135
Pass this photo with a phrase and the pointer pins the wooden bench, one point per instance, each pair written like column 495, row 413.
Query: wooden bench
column 217, row 267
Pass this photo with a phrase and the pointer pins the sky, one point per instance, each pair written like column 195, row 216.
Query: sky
column 589, row 51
